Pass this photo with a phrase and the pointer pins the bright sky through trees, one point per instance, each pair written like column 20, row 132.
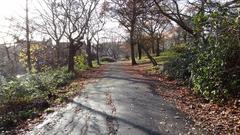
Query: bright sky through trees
column 16, row 9
column 10, row 9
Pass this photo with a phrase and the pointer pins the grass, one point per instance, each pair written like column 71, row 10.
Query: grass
column 162, row 59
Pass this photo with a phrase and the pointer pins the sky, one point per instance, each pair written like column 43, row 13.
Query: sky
column 9, row 9
column 16, row 9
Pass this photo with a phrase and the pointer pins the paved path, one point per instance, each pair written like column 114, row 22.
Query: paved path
column 116, row 104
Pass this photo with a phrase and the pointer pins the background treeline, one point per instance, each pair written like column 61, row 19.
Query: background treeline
column 206, row 41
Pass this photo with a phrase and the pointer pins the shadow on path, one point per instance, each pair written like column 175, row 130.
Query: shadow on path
column 144, row 129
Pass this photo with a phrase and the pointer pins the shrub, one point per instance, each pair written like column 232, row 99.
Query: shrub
column 216, row 73
column 178, row 67
column 56, row 78
column 22, row 89
column 80, row 62
column 213, row 61
column 107, row 59
column 179, row 48
column 178, row 62
column 22, row 98
column 166, row 56
column 32, row 86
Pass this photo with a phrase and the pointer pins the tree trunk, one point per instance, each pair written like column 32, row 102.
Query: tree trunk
column 132, row 46
column 163, row 48
column 98, row 59
column 152, row 43
column 153, row 48
column 149, row 56
column 58, row 52
column 139, row 51
column 89, row 54
column 29, row 66
column 72, row 53
column 158, row 48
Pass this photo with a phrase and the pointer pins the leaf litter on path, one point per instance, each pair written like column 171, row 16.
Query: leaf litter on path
column 215, row 118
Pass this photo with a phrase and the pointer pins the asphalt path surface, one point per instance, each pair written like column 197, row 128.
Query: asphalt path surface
column 117, row 104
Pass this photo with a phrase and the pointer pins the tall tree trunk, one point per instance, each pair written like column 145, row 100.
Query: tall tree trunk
column 72, row 53
column 89, row 53
column 153, row 48
column 98, row 59
column 163, row 47
column 132, row 45
column 132, row 31
column 152, row 43
column 28, row 41
column 149, row 56
column 58, row 52
column 139, row 51
column 158, row 47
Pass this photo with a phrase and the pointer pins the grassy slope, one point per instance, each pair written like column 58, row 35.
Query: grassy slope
column 161, row 60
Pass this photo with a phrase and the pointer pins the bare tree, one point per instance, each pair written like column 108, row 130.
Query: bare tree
column 127, row 12
column 141, row 41
column 95, row 25
column 53, row 22
column 78, row 14
column 154, row 24
column 97, row 40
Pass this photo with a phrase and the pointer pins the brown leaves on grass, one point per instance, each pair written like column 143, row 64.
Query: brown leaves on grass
column 217, row 119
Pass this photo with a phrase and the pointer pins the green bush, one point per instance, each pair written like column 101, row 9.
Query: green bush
column 212, row 63
column 56, row 78
column 179, row 48
column 80, row 62
column 214, row 74
column 8, row 120
column 33, row 86
column 26, row 114
column 22, row 98
column 166, row 56
column 178, row 67
column 213, row 69
column 22, row 89
column 178, row 60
